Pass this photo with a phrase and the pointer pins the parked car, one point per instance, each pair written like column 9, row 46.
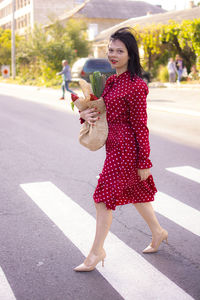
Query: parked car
column 83, row 67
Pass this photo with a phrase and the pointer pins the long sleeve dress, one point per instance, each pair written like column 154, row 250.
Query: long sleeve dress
column 127, row 145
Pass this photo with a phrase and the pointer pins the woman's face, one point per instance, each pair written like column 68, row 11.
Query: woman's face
column 118, row 55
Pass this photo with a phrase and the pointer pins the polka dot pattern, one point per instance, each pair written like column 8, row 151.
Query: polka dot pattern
column 127, row 145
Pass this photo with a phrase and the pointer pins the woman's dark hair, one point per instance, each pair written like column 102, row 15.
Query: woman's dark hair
column 125, row 36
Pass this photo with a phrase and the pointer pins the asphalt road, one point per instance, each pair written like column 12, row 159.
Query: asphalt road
column 175, row 113
column 39, row 144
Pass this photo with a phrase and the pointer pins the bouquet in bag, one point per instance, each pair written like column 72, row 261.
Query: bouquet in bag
column 92, row 137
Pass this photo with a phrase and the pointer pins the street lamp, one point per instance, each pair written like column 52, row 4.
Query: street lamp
column 13, row 60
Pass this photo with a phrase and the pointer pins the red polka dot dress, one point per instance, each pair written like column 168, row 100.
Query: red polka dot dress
column 127, row 145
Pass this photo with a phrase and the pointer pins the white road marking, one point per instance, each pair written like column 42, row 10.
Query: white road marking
column 187, row 112
column 6, row 292
column 127, row 271
column 180, row 213
column 187, row 172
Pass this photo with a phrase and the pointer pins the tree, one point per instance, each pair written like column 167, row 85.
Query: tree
column 5, row 46
column 43, row 49
column 77, row 32
column 177, row 40
column 149, row 40
column 190, row 38
column 166, row 40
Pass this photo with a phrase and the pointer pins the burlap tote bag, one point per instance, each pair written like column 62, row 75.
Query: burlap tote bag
column 93, row 137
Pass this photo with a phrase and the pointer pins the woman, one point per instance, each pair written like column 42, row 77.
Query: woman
column 126, row 176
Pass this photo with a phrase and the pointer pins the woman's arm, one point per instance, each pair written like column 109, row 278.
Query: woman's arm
column 138, row 119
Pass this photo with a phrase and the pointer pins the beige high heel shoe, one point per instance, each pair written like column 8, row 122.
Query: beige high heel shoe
column 163, row 237
column 97, row 258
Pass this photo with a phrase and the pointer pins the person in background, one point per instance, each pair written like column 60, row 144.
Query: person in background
column 171, row 70
column 194, row 74
column 179, row 66
column 66, row 75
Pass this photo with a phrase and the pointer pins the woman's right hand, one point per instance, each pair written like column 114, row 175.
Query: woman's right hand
column 90, row 115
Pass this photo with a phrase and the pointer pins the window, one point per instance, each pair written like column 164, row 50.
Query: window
column 4, row 12
column 102, row 65
column 92, row 31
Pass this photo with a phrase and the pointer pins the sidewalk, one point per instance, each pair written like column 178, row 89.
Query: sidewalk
column 46, row 96
column 172, row 99
column 174, row 85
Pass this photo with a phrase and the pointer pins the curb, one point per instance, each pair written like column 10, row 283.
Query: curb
column 173, row 85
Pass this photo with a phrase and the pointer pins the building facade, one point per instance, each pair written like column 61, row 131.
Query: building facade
column 101, row 40
column 22, row 13
column 99, row 15
column 29, row 12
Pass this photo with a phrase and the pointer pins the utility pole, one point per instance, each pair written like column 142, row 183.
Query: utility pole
column 13, row 41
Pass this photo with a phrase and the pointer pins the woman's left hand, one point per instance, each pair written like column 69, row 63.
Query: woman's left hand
column 144, row 173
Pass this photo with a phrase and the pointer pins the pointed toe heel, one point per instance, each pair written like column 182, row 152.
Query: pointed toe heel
column 163, row 238
column 96, row 259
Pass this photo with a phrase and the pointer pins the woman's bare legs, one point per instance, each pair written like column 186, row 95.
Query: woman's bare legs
column 97, row 253
column 147, row 212
column 103, row 223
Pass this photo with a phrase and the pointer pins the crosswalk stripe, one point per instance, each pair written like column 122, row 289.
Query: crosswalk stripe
column 127, row 271
column 187, row 172
column 180, row 213
column 6, row 292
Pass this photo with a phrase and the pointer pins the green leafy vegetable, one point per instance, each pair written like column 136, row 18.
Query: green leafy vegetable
column 72, row 105
column 98, row 82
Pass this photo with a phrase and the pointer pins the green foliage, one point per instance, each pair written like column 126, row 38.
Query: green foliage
column 5, row 46
column 98, row 82
column 163, row 75
column 41, row 52
column 77, row 32
column 162, row 41
column 72, row 105
column 190, row 37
